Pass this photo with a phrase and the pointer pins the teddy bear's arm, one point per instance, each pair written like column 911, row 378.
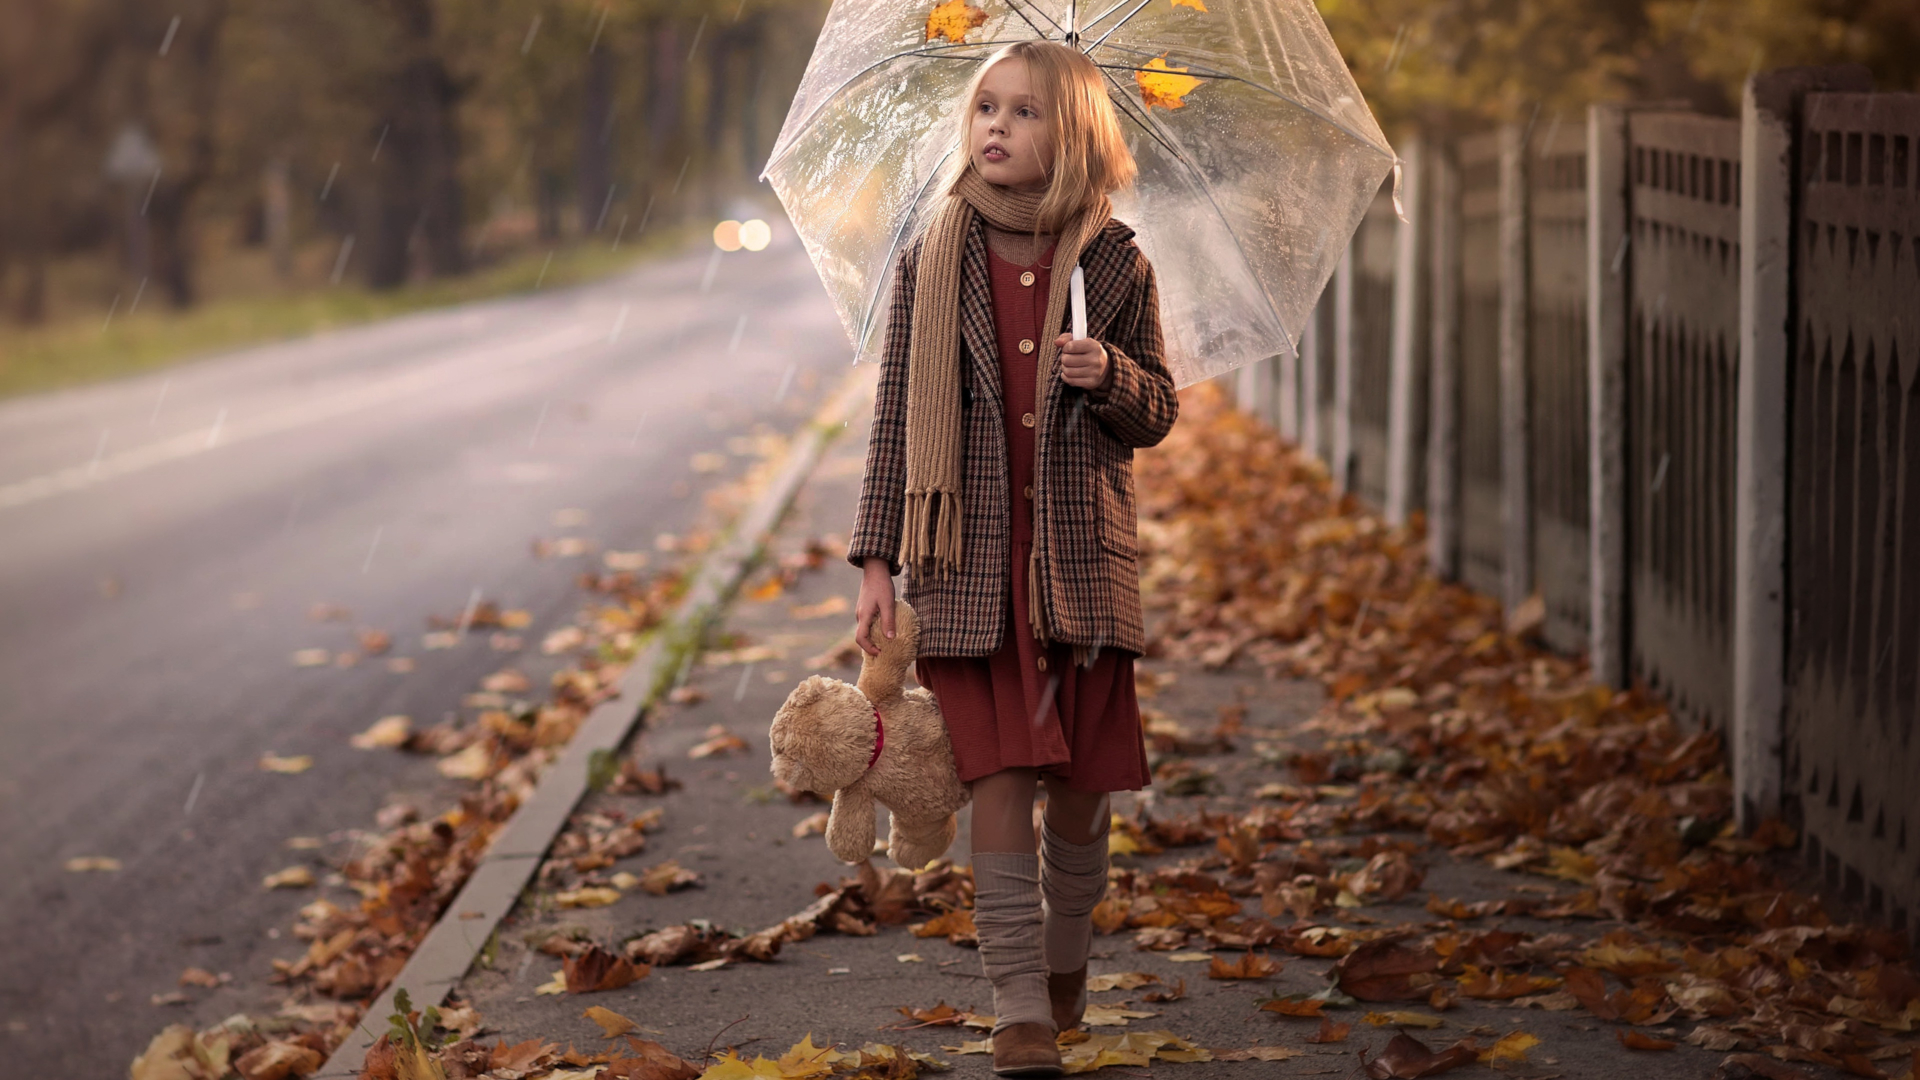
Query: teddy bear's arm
column 850, row 825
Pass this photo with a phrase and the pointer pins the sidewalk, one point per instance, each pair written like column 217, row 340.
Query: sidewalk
column 1258, row 853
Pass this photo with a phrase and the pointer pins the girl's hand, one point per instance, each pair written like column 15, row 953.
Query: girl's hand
column 876, row 599
column 1083, row 363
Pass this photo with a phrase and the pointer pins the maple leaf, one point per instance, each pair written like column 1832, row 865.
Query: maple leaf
column 1331, row 1032
column 1175, row 993
column 953, row 20
column 596, row 970
column 1163, row 85
column 612, row 1024
column 1386, row 970
column 1295, row 1005
column 1407, row 1058
column 1127, row 980
column 1637, row 1040
column 1249, row 966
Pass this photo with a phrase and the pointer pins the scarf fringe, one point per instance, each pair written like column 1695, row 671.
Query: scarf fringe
column 930, row 535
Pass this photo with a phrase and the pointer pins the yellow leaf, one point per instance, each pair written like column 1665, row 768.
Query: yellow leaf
column 1404, row 1019
column 86, row 864
column 953, row 19
column 1120, row 843
column 806, row 1060
column 589, row 896
column 1129, row 980
column 473, row 763
column 291, row 766
column 612, row 1024
column 386, row 733
column 1197, row 5
column 555, row 985
column 1160, row 85
column 293, row 877
column 1190, row 957
column 1098, row 1015
column 1512, row 1047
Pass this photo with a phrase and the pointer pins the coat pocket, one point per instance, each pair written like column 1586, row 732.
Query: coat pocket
column 1117, row 524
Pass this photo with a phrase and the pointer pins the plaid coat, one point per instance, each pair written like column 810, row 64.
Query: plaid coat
column 1084, row 521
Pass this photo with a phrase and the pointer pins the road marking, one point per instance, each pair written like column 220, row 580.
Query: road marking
column 459, row 366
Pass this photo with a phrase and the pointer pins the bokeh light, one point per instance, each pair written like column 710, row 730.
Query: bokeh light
column 726, row 235
column 755, row 235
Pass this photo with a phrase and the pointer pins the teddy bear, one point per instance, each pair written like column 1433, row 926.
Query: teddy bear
column 874, row 742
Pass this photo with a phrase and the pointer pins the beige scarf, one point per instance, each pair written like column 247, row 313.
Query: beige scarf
column 931, row 537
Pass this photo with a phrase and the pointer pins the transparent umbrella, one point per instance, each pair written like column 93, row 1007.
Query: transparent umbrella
column 1257, row 155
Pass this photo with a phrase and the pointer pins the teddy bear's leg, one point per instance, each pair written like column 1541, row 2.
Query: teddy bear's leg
column 917, row 843
column 850, row 825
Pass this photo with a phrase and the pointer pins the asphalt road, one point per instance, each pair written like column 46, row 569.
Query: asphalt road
column 163, row 538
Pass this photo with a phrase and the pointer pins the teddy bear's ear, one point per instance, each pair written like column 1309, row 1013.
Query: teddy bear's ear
column 881, row 676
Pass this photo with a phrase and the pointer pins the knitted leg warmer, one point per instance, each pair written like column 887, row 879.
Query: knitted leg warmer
column 1073, row 879
column 1006, row 914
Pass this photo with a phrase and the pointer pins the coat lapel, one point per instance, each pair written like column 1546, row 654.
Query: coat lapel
column 1108, row 263
column 976, row 310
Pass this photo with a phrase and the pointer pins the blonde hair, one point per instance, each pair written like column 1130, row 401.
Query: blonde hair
column 1090, row 157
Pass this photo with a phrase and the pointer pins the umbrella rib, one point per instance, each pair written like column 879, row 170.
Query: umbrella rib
column 1124, row 20
column 937, row 52
column 1116, row 6
column 1206, row 73
column 1146, row 122
column 1015, row 5
column 899, row 234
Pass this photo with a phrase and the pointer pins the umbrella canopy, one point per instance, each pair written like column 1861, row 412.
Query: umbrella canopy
column 1257, row 155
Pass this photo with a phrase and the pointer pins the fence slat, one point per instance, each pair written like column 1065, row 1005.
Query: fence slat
column 1607, row 301
column 1403, row 379
column 1443, row 429
column 1516, row 490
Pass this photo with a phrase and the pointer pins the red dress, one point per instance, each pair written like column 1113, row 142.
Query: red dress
column 1026, row 706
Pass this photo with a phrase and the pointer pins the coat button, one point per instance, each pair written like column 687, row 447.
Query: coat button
column 1026, row 419
column 1029, row 491
column 1026, row 278
column 1026, row 345
column 1043, row 663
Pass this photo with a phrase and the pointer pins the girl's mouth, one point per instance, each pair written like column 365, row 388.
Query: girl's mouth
column 994, row 152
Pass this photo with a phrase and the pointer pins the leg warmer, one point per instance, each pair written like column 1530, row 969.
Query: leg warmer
column 1073, row 878
column 1006, row 913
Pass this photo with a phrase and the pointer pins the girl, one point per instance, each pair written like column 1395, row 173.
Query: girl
column 1000, row 478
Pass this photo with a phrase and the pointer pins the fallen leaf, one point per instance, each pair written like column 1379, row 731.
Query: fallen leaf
column 596, row 970
column 92, row 864
column 194, row 976
column 278, row 1060
column 293, row 877
column 1174, row 993
column 1163, row 85
column 313, row 658
column 612, row 1024
column 1126, row 980
column 1404, row 1019
column 476, row 762
column 1386, row 970
column 1407, row 1058
column 1330, row 1032
column 589, row 896
column 1295, row 1005
column 719, row 741
column 667, row 877
column 387, row 732
column 1099, row 1015
column 506, row 681
column 953, row 20
column 832, row 605
column 1249, row 966
column 290, row 766
column 1637, row 1040
column 956, row 926
column 1258, row 1053
column 1512, row 1047
column 1190, row 957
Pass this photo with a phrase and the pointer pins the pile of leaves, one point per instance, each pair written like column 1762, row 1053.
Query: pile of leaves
column 1445, row 718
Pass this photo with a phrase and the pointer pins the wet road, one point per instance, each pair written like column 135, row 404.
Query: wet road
column 163, row 538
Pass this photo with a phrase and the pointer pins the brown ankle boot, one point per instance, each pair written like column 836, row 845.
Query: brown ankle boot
column 1067, row 991
column 1025, row 1050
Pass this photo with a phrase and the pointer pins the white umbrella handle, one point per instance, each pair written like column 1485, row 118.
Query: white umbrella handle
column 1077, row 294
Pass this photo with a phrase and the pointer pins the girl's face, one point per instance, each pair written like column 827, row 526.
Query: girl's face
column 1009, row 137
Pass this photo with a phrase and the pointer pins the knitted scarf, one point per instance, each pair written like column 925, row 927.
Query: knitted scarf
column 931, row 537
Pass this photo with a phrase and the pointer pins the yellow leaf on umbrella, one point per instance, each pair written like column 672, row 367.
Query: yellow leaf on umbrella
column 1197, row 5
column 953, row 19
column 1163, row 85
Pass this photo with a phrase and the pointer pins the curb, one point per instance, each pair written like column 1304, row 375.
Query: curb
column 450, row 947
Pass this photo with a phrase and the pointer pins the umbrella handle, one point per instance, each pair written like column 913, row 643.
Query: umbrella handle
column 1077, row 295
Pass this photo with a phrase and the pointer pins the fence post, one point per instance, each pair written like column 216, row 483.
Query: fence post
column 1769, row 115
column 1443, row 402
column 1401, row 374
column 1516, row 495
column 1608, row 234
column 1311, row 436
column 1286, row 398
column 1340, row 461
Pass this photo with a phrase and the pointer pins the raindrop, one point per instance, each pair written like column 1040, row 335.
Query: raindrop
column 678, row 180
column 151, row 184
column 648, row 213
column 538, row 424
column 213, row 433
column 466, row 613
column 137, row 293
column 597, row 27
column 697, row 31
column 340, row 260
column 193, row 793
column 371, row 548
column 605, row 205
column 740, row 691
column 619, row 232
column 739, row 328
column 1046, row 699
column 172, row 29
column 99, row 448
column 111, row 308
column 544, row 267
column 786, row 380
column 619, row 321
column 527, row 42
column 1660, row 475
column 713, row 267
column 161, row 400
column 327, row 188
column 635, row 441
column 380, row 142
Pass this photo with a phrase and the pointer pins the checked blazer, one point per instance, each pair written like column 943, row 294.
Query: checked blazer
column 1084, row 519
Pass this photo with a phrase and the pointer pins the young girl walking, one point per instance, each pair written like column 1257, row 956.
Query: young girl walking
column 1000, row 480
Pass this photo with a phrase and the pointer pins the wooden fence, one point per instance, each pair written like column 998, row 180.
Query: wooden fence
column 1662, row 370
